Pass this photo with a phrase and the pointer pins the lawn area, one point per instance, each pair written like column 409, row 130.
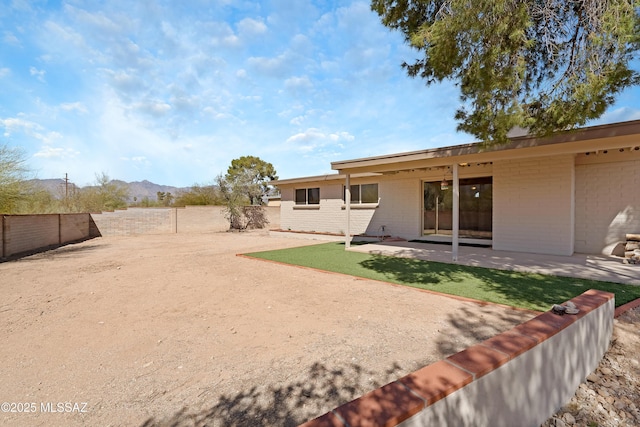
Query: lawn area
column 524, row 290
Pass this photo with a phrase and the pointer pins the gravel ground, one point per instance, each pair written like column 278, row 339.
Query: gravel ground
column 610, row 396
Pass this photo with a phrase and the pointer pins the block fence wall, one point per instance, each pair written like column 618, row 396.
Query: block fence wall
column 21, row 234
column 170, row 220
column 518, row 378
column 25, row 233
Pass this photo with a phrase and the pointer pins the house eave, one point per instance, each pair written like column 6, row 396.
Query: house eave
column 595, row 138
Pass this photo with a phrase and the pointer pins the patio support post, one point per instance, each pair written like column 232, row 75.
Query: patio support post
column 456, row 214
column 347, row 201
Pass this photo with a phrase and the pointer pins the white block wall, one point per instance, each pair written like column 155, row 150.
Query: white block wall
column 327, row 217
column 398, row 210
column 607, row 202
column 533, row 207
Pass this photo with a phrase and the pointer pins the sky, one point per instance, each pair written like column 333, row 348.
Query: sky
column 172, row 91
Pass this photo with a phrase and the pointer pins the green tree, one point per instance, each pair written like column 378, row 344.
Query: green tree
column 252, row 176
column 543, row 65
column 14, row 184
column 105, row 195
column 199, row 195
column 243, row 188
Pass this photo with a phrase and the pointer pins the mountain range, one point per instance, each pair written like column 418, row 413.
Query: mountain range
column 138, row 190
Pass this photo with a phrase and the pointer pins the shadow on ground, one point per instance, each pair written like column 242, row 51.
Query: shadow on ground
column 290, row 404
column 523, row 289
column 471, row 327
column 323, row 387
column 63, row 250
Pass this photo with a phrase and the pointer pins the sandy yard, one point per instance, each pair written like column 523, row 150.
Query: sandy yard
column 178, row 330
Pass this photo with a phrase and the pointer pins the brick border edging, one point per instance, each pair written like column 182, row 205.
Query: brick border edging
column 626, row 307
column 397, row 401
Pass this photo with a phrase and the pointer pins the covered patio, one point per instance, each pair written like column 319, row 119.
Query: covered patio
column 595, row 267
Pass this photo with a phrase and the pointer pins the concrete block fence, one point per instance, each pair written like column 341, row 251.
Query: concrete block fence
column 21, row 234
column 518, row 378
column 26, row 233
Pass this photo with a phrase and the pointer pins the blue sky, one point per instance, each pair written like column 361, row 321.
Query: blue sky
column 173, row 91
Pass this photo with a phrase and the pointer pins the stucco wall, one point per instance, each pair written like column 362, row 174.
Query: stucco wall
column 533, row 206
column 607, row 200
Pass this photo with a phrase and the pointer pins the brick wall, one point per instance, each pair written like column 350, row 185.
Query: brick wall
column 533, row 206
column 607, row 200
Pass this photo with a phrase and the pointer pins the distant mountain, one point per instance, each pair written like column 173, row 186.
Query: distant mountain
column 138, row 190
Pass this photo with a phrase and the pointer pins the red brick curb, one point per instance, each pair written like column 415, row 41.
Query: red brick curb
column 626, row 307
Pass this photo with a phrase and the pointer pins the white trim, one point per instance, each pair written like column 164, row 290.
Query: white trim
column 456, row 214
column 347, row 197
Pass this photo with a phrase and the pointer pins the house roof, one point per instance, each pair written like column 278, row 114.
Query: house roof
column 623, row 135
column 328, row 177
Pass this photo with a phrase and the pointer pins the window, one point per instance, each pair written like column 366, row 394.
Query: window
column 308, row 196
column 362, row 193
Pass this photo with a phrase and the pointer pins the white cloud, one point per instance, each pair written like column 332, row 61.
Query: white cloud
column 621, row 114
column 126, row 81
column 63, row 36
column 10, row 39
column 298, row 85
column 31, row 129
column 275, row 67
column 14, row 124
column 153, row 108
column 315, row 139
column 57, row 152
column 39, row 74
column 74, row 106
column 249, row 27
column 297, row 121
column 4, row 72
column 97, row 22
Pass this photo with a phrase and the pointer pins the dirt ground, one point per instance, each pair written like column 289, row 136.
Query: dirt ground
column 178, row 330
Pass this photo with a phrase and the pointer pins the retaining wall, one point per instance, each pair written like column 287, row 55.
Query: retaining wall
column 520, row 377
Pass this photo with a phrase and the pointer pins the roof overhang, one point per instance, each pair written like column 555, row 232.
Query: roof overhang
column 591, row 139
column 319, row 178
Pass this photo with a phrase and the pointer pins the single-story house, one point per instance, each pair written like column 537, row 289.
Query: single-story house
column 574, row 192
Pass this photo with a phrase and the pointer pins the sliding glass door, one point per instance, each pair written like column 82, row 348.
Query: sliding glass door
column 476, row 200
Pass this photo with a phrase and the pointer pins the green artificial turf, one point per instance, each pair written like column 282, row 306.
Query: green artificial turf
column 524, row 290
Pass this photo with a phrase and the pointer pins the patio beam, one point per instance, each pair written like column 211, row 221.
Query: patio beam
column 347, row 201
column 456, row 214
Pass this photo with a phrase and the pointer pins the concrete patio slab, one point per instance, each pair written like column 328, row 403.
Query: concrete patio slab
column 595, row 267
